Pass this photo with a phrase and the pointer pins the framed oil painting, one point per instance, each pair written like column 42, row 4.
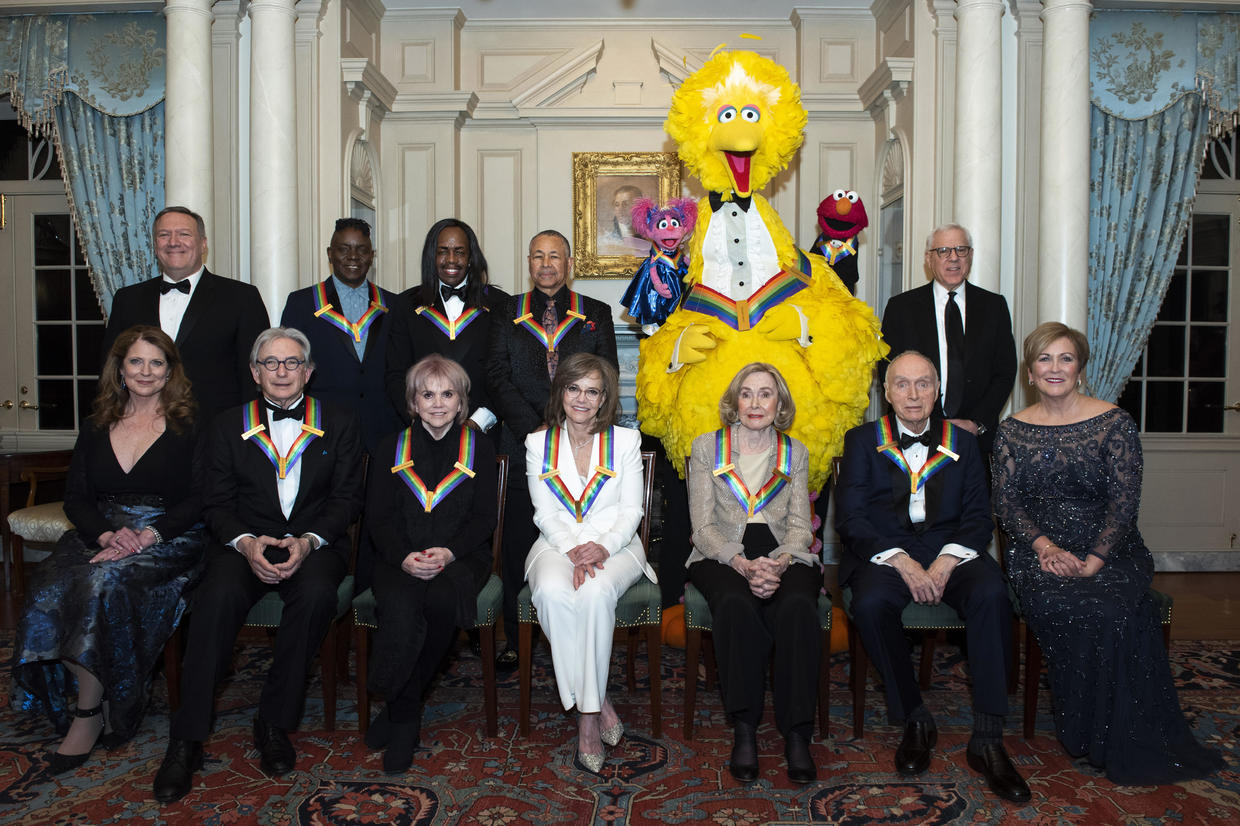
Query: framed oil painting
column 605, row 184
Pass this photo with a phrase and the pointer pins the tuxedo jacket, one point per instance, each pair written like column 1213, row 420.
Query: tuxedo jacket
column 517, row 364
column 239, row 482
column 340, row 377
column 989, row 349
column 614, row 518
column 415, row 335
column 872, row 496
column 217, row 332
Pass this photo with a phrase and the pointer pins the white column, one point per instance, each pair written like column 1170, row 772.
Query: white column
column 273, row 152
column 189, row 172
column 1063, row 220
column 979, row 133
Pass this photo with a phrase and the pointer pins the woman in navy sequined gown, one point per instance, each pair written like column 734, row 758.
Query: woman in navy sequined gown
column 101, row 607
column 1067, row 487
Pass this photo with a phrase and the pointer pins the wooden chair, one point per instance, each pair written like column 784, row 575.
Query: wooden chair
column 37, row 527
column 641, row 606
column 490, row 609
column 698, row 620
column 267, row 612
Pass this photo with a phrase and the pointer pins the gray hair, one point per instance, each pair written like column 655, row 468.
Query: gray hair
column 968, row 236
column 272, row 333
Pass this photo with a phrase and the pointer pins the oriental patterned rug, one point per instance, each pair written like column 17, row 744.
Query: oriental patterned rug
column 462, row 776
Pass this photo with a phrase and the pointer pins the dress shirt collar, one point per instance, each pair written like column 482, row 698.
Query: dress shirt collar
column 192, row 279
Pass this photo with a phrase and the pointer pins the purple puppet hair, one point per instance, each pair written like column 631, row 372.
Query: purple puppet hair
column 646, row 215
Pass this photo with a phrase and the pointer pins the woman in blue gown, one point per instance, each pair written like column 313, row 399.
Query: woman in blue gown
column 101, row 607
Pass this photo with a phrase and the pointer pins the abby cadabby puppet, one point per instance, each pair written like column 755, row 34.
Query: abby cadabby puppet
column 659, row 282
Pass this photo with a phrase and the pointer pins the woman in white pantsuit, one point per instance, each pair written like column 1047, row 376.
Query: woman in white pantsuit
column 585, row 479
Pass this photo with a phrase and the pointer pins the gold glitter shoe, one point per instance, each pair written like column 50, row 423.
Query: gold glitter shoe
column 592, row 763
column 611, row 736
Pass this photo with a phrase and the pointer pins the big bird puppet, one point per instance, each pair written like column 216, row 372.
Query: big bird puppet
column 752, row 295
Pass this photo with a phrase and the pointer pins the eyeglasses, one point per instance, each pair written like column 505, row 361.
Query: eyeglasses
column 291, row 363
column 946, row 252
column 592, row 393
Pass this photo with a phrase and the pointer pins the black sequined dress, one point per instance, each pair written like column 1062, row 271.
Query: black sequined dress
column 1114, row 700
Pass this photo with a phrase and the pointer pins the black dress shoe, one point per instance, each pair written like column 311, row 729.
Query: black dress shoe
column 176, row 774
column 992, row 761
column 913, row 755
column 507, row 660
column 801, row 768
column 744, row 762
column 276, row 752
column 401, row 746
column 58, row 763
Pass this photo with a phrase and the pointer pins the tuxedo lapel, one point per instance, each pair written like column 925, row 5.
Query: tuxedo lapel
column 148, row 309
column 262, row 468
column 927, row 319
column 199, row 306
column 898, row 480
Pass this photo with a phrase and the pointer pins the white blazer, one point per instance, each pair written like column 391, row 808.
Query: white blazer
column 614, row 518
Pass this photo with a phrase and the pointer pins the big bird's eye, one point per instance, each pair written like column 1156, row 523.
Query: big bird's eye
column 751, row 114
column 726, row 114
column 852, row 196
column 839, row 194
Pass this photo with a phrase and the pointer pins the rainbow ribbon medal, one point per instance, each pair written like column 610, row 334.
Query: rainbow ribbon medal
column 446, row 326
column 744, row 314
column 889, row 446
column 780, row 476
column 256, row 431
column 604, row 470
column 526, row 320
column 324, row 310
column 462, row 469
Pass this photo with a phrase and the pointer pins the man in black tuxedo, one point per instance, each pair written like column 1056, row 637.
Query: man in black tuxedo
column 282, row 483
column 348, row 320
column 449, row 313
column 212, row 319
column 913, row 511
column 965, row 330
column 528, row 338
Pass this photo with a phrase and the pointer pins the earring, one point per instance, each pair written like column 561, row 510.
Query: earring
column 1031, row 382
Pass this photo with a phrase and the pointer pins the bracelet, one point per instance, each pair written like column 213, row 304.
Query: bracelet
column 159, row 538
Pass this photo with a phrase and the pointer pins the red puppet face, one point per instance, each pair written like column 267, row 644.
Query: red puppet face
column 841, row 215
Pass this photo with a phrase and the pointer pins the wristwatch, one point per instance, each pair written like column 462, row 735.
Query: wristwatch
column 981, row 428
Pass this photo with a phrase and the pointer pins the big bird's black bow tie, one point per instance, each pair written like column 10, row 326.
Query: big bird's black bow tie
column 716, row 201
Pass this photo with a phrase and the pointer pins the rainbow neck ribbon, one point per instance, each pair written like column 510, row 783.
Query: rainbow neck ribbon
column 944, row 453
column 833, row 250
column 659, row 255
column 355, row 330
column 604, row 470
column 526, row 320
column 448, row 327
column 252, row 419
column 746, row 313
column 462, row 469
column 780, row 475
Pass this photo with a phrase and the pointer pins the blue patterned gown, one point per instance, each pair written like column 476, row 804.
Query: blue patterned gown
column 1114, row 699
column 114, row 617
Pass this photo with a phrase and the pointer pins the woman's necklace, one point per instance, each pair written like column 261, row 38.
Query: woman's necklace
column 580, row 445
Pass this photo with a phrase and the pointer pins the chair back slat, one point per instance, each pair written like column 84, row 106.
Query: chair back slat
column 647, row 496
column 501, row 494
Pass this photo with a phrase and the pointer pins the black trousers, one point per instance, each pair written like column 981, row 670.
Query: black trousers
column 520, row 533
column 221, row 601
column 979, row 594
column 417, row 626
column 747, row 630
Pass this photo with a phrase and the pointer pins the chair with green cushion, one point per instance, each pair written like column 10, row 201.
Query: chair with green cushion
column 640, row 607
column 1163, row 603
column 698, row 620
column 490, row 609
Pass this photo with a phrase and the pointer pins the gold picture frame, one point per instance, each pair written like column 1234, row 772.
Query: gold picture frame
column 603, row 182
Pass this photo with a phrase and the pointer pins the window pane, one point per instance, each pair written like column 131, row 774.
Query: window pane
column 1210, row 240
column 54, row 344
column 85, row 302
column 52, row 295
column 1164, row 407
column 12, row 148
column 51, row 240
column 1205, row 406
column 89, row 348
column 86, row 396
column 1207, row 352
column 1173, row 301
column 1166, row 351
column 1130, row 400
column 1210, row 295
column 1139, row 369
column 56, row 404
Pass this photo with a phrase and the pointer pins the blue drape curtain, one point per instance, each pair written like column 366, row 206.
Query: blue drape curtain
column 96, row 84
column 1161, row 85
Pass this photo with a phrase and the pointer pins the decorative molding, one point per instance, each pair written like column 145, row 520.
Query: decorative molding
column 676, row 67
column 457, row 106
column 563, row 81
column 944, row 14
column 366, row 85
column 362, row 174
column 822, row 105
column 892, row 181
column 885, row 87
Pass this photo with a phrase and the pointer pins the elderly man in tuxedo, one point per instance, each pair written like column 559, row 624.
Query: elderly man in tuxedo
column 346, row 318
column 914, row 514
column 965, row 330
column 282, row 482
column 212, row 319
column 530, row 335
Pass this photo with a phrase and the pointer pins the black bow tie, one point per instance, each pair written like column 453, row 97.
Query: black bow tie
column 277, row 413
column 446, row 292
column 166, row 286
column 716, row 201
column 907, row 441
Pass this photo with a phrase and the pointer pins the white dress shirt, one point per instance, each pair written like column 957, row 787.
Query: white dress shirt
column 172, row 305
column 940, row 308
column 453, row 308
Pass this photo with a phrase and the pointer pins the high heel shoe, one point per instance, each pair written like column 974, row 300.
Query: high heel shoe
column 592, row 763
column 611, row 736
column 58, row 763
